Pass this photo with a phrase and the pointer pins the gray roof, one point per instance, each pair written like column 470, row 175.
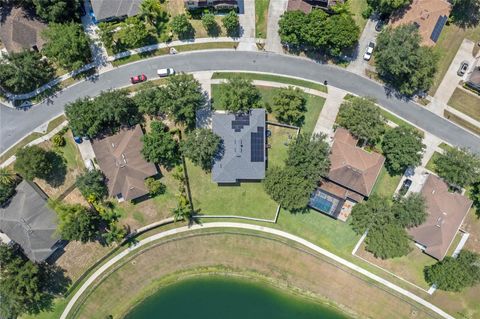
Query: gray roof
column 104, row 9
column 243, row 137
column 29, row 222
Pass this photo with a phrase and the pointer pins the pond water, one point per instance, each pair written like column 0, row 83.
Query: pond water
column 227, row 298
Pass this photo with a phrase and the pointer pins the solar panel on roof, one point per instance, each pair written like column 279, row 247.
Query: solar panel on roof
column 438, row 28
column 257, row 145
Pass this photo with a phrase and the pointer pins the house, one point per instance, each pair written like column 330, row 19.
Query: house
column 107, row 10
column 429, row 16
column 28, row 221
column 352, row 176
column 21, row 30
column 215, row 4
column 243, row 137
column 446, row 212
column 307, row 6
column 124, row 167
column 473, row 80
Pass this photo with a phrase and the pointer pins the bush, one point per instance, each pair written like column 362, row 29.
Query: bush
column 33, row 162
column 181, row 26
column 231, row 23
column 92, row 185
column 58, row 140
column 155, row 186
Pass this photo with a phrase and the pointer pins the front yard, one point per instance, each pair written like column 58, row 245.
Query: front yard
column 466, row 102
column 261, row 16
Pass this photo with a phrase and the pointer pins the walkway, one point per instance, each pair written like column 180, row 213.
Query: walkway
column 263, row 229
column 329, row 112
column 275, row 9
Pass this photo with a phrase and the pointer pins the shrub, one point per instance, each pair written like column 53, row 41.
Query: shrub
column 155, row 186
column 58, row 140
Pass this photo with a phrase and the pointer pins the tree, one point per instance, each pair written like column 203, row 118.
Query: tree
column 159, row 147
column 184, row 98
column 58, row 140
column 155, row 186
column 183, row 210
column 231, row 23
column 474, row 196
column 466, row 13
column 151, row 11
column 402, row 147
column 313, row 32
column 58, row 10
column 209, row 23
column 181, row 26
column 201, row 147
column 289, row 106
column 402, row 62
column 7, row 176
column 458, row 167
column 33, row 162
column 410, row 211
column 133, row 33
column 67, row 45
column 76, row 222
column 292, row 26
column 362, row 118
column 8, row 182
column 92, row 185
column 372, row 214
column 387, row 7
column 151, row 101
column 389, row 241
column 341, row 33
column 455, row 274
column 24, row 72
column 238, row 95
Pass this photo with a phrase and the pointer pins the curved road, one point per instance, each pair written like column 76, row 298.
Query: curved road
column 268, row 230
column 15, row 124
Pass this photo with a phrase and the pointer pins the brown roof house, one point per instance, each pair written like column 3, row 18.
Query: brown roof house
column 122, row 163
column 21, row 30
column 217, row 4
column 353, row 173
column 429, row 16
column 308, row 5
column 446, row 212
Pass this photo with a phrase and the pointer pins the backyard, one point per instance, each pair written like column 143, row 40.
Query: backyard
column 279, row 140
column 386, row 184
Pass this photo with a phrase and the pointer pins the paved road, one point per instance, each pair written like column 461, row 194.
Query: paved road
column 14, row 124
column 268, row 230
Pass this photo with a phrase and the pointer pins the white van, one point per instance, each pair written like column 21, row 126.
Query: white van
column 165, row 72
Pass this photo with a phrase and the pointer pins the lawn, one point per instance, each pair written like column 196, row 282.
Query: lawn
column 279, row 141
column 431, row 162
column 469, row 126
column 386, row 184
column 466, row 102
column 356, row 8
column 261, row 15
column 201, row 32
column 247, row 199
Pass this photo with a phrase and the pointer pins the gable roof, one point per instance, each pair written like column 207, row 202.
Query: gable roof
column 21, row 30
column 243, row 137
column 124, row 167
column 428, row 15
column 446, row 212
column 104, row 9
column 351, row 166
column 29, row 222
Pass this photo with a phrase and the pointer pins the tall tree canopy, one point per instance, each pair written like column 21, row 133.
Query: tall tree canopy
column 76, row 222
column 152, row 101
column 371, row 214
column 362, row 118
column 92, row 185
column 238, row 95
column 291, row 27
column 458, row 167
column 58, row 10
column 133, row 33
column 466, row 13
column 67, row 45
column 24, row 72
column 159, row 147
column 8, row 182
column 387, row 7
column 402, row 62
column 389, row 241
column 402, row 147
column 410, row 211
column 181, row 26
column 202, row 146
column 231, row 23
column 289, row 106
column 33, row 162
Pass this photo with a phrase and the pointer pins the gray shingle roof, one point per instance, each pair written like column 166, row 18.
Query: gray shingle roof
column 104, row 9
column 243, row 139
column 30, row 223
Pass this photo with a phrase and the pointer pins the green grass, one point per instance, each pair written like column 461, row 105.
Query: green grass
column 261, row 15
column 271, row 78
column 469, row 126
column 279, row 141
column 431, row 162
column 386, row 184
column 356, row 8
column 247, row 199
column 466, row 103
column 454, row 244
column 389, row 116
column 71, row 153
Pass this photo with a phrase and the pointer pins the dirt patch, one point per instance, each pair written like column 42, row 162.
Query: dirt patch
column 75, row 197
column 175, row 7
column 472, row 226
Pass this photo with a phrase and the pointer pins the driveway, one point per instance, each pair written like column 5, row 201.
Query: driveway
column 358, row 65
column 275, row 9
column 17, row 123
column 247, row 18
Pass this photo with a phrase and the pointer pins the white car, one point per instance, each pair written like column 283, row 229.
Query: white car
column 368, row 53
column 165, row 72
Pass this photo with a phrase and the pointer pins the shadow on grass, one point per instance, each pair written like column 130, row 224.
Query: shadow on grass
column 56, row 177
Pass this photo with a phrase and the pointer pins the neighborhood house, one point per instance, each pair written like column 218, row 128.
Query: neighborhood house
column 307, row 6
column 107, row 10
column 353, row 173
column 119, row 157
column 243, row 137
column 474, row 77
column 216, row 4
column 446, row 212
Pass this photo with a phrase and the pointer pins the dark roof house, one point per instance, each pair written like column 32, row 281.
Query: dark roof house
column 122, row 163
column 28, row 221
column 21, row 30
column 243, row 137
column 307, row 6
column 473, row 80
column 105, row 10
column 446, row 212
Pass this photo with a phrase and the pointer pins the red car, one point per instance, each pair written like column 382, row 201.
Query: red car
column 138, row 78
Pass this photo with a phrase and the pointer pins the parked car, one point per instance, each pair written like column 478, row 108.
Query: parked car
column 165, row 72
column 379, row 25
column 138, row 78
column 405, row 186
column 463, row 68
column 368, row 53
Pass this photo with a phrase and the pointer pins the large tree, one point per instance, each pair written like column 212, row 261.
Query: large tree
column 341, row 32
column 58, row 10
column 159, row 146
column 33, row 162
column 291, row 28
column 237, row 95
column 402, row 62
column 92, row 185
column 202, row 146
column 410, row 211
column 181, row 26
column 210, row 24
column 387, row 7
column 475, row 196
column 458, row 167
column 151, row 101
column 389, row 241
column 374, row 213
column 151, row 11
column 8, row 182
column 362, row 118
column 133, row 33
column 466, row 13
column 76, row 222
column 402, row 147
column 289, row 106
column 455, row 274
column 67, row 45
column 24, row 72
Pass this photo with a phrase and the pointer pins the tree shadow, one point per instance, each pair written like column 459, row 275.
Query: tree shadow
column 55, row 279
column 466, row 13
column 56, row 176
column 214, row 30
column 188, row 34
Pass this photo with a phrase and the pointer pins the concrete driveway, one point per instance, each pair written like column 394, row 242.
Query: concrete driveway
column 246, row 18
column 275, row 9
column 358, row 65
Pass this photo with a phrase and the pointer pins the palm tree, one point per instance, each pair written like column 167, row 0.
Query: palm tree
column 7, row 177
column 182, row 211
column 150, row 10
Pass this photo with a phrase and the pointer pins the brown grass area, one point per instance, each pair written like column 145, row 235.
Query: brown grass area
column 175, row 7
column 472, row 226
column 286, row 265
column 75, row 197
